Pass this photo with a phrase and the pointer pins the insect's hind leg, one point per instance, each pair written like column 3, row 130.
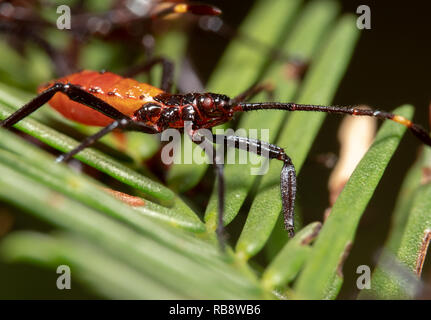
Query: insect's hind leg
column 78, row 95
column 73, row 92
column 206, row 145
column 30, row 107
column 287, row 176
column 219, row 171
column 168, row 69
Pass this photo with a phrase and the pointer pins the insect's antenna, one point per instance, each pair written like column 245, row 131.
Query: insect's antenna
column 416, row 129
column 191, row 7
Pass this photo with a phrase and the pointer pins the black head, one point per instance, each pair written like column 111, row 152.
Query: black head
column 214, row 105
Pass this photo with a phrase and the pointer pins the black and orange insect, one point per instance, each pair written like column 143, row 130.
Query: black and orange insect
column 115, row 102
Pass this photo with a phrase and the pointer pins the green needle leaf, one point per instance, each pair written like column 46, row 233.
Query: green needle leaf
column 105, row 274
column 194, row 277
column 288, row 263
column 39, row 166
column 92, row 158
column 397, row 275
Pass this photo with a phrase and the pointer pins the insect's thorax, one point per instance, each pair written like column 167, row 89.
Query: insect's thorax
column 203, row 110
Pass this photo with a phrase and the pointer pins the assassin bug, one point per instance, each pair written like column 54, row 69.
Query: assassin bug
column 114, row 102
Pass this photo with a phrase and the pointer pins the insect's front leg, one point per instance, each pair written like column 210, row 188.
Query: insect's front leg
column 287, row 176
column 217, row 162
column 252, row 91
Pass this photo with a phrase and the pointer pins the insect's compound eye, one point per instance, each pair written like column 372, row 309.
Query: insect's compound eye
column 149, row 112
column 206, row 103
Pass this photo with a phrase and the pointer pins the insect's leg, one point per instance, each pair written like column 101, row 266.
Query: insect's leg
column 219, row 172
column 73, row 92
column 62, row 66
column 17, row 31
column 125, row 123
column 211, row 152
column 22, row 23
column 79, row 95
column 30, row 107
column 253, row 91
column 220, row 205
column 88, row 141
column 167, row 71
column 288, row 173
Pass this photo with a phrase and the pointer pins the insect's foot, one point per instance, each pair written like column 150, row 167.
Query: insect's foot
column 62, row 158
column 222, row 238
column 290, row 231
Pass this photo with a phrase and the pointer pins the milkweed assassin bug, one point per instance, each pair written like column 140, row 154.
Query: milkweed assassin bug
column 115, row 102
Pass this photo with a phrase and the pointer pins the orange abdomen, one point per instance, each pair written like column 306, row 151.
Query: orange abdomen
column 124, row 94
